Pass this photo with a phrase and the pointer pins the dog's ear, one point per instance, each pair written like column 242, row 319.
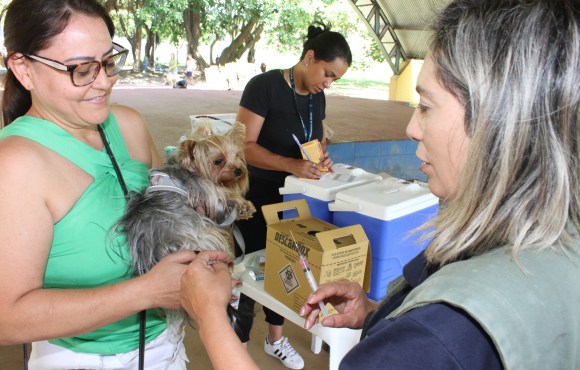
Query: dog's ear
column 203, row 131
column 238, row 133
column 186, row 154
column 238, row 128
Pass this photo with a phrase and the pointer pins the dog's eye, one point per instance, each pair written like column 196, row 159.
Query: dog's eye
column 218, row 162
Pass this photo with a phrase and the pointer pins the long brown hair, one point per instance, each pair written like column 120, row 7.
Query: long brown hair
column 29, row 27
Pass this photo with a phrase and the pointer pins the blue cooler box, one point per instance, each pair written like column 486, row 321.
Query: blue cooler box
column 387, row 210
column 319, row 193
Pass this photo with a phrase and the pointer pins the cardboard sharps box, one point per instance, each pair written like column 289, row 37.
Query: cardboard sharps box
column 333, row 253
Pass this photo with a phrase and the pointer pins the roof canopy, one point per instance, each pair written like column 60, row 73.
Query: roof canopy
column 401, row 27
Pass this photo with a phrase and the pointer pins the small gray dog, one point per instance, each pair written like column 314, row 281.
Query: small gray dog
column 172, row 214
column 166, row 218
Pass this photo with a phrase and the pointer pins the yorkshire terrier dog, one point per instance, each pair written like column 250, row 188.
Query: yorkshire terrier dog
column 191, row 202
column 221, row 159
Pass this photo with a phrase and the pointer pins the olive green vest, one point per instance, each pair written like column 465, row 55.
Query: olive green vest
column 533, row 317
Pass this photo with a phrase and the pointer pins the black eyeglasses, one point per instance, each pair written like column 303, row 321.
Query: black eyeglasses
column 83, row 74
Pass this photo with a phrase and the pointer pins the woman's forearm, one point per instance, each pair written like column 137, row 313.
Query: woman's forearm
column 260, row 157
column 222, row 344
column 56, row 313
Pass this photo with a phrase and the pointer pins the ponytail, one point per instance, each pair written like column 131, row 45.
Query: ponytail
column 16, row 100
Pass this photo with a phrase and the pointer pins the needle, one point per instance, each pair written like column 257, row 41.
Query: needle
column 309, row 276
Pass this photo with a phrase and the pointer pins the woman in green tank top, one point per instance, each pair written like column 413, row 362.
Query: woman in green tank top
column 64, row 278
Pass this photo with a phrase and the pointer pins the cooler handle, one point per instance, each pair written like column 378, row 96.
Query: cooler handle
column 285, row 190
column 344, row 207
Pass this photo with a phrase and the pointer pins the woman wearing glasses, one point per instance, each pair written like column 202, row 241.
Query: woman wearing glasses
column 64, row 278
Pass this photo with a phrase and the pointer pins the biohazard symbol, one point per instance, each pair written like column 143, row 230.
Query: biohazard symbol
column 289, row 279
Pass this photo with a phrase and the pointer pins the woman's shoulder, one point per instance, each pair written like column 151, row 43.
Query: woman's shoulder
column 268, row 77
column 265, row 84
column 135, row 133
column 15, row 144
column 18, row 154
column 123, row 113
column 128, row 119
column 434, row 328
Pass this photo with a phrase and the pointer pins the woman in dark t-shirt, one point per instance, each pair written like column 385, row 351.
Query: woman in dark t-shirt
column 274, row 106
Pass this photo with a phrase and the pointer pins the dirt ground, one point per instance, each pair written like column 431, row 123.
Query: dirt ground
column 353, row 115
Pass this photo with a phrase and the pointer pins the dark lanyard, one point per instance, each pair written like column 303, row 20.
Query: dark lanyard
column 142, row 314
column 307, row 133
column 114, row 162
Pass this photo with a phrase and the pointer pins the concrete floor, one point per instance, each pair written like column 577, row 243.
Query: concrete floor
column 11, row 357
column 167, row 111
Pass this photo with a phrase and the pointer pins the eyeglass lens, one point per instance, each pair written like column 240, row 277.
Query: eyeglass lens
column 86, row 73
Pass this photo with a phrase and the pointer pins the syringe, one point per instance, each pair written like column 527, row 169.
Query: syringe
column 309, row 276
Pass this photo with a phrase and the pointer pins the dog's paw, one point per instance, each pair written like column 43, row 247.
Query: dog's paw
column 245, row 210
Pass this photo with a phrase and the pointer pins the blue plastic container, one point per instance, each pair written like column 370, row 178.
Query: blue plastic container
column 318, row 208
column 387, row 210
column 319, row 193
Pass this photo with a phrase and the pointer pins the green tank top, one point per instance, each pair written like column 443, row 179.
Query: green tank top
column 85, row 253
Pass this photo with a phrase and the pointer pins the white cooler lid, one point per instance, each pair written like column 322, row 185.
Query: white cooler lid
column 220, row 122
column 386, row 200
column 343, row 177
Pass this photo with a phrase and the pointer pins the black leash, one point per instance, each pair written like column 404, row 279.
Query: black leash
column 114, row 162
column 142, row 314
column 25, row 348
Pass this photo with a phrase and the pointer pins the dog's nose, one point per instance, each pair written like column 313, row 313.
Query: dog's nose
column 238, row 172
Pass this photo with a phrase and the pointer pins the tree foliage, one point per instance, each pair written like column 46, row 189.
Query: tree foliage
column 127, row 16
column 240, row 25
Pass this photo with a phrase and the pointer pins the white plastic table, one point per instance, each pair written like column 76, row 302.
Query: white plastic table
column 340, row 340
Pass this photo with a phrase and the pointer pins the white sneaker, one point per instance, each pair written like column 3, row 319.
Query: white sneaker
column 285, row 353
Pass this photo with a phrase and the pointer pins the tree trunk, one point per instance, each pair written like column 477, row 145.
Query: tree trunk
column 192, row 21
column 137, row 65
column 149, row 44
column 252, row 55
column 251, row 43
column 130, row 38
column 211, row 61
column 245, row 39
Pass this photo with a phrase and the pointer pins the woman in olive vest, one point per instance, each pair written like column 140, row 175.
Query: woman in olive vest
column 498, row 132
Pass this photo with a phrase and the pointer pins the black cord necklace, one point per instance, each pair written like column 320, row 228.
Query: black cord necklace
column 142, row 314
column 114, row 162
column 307, row 133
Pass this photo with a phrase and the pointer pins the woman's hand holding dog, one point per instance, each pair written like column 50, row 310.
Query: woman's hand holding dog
column 163, row 282
column 206, row 292
column 206, row 286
